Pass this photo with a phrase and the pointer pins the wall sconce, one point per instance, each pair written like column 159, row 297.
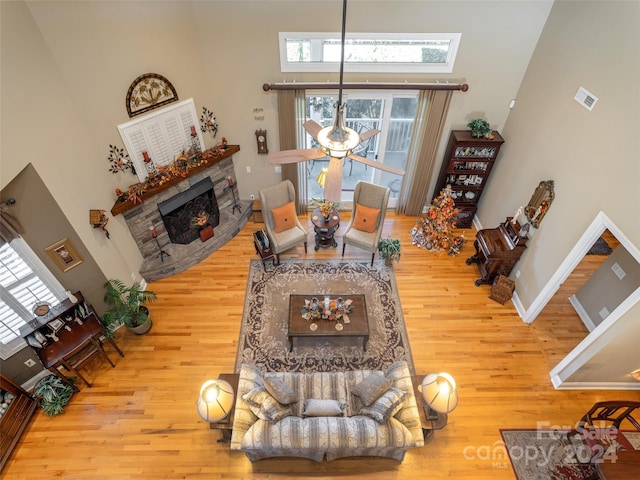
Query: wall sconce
column 215, row 401
column 99, row 219
column 439, row 393
column 635, row 374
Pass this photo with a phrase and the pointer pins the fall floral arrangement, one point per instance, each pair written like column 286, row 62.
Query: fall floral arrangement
column 331, row 309
column 434, row 229
column 325, row 206
column 160, row 174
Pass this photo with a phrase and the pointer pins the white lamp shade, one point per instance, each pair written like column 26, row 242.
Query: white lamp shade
column 215, row 400
column 439, row 392
column 337, row 140
column 322, row 177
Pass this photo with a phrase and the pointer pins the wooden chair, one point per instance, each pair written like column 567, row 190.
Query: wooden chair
column 600, row 431
column 373, row 196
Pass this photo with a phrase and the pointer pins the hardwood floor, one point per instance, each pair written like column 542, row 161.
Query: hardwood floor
column 139, row 419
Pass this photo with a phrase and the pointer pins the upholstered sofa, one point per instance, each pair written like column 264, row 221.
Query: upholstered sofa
column 326, row 415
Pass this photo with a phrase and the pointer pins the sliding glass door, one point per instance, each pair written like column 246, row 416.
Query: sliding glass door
column 388, row 112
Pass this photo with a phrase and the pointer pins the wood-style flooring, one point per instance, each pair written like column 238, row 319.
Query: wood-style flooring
column 139, row 420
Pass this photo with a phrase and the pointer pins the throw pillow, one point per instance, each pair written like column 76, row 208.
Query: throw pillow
column 366, row 218
column 284, row 217
column 322, row 408
column 386, row 406
column 371, row 388
column 280, row 391
column 265, row 407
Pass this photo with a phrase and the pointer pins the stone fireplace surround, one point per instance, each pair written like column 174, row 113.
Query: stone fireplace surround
column 142, row 217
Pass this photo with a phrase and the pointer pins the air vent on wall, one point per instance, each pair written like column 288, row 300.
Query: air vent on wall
column 586, row 99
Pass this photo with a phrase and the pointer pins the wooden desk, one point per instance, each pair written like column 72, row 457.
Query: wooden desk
column 70, row 342
column 626, row 466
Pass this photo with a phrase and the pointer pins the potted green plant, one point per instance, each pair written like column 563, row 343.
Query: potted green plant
column 389, row 249
column 52, row 395
column 479, row 128
column 126, row 306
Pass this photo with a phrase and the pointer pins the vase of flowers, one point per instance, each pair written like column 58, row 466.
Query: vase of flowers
column 326, row 208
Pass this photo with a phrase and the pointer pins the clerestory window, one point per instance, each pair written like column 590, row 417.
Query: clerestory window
column 369, row 52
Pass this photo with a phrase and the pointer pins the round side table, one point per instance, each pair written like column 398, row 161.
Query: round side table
column 325, row 230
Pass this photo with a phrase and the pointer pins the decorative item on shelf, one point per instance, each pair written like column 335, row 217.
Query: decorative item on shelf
column 215, row 401
column 72, row 298
column 99, row 219
column 125, row 306
column 439, row 393
column 434, row 229
column 261, row 139
column 236, row 201
column 149, row 91
column 389, row 250
column 208, row 122
column 195, row 148
column 148, row 164
column 119, row 160
column 480, row 128
column 326, row 207
column 161, row 252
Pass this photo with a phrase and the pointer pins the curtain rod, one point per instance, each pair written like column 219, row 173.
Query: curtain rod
column 365, row 86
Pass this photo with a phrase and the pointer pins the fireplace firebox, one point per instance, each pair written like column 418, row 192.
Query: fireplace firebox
column 188, row 212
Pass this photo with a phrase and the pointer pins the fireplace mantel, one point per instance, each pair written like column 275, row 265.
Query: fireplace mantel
column 121, row 207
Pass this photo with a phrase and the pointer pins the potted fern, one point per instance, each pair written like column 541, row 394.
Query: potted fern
column 126, row 307
column 389, row 249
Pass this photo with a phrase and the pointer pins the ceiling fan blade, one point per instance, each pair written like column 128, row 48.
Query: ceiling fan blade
column 333, row 182
column 368, row 134
column 312, row 128
column 294, row 156
column 378, row 165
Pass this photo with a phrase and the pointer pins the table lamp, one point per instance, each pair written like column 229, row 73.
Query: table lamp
column 215, row 401
column 322, row 177
column 439, row 393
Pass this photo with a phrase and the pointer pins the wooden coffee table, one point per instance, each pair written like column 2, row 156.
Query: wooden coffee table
column 357, row 327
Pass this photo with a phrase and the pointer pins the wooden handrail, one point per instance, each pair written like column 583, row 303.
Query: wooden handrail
column 365, row 86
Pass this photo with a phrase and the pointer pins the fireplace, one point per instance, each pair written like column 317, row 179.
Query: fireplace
column 188, row 212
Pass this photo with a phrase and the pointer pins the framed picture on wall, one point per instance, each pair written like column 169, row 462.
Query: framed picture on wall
column 64, row 255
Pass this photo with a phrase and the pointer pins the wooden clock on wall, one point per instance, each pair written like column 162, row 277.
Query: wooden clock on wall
column 261, row 139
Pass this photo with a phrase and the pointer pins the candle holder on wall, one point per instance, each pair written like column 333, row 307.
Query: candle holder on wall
column 236, row 202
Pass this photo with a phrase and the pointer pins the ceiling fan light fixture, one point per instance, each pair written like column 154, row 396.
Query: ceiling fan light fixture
column 337, row 140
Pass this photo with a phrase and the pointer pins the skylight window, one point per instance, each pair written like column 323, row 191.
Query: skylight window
column 369, row 52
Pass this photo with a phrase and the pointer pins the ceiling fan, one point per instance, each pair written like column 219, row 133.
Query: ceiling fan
column 336, row 141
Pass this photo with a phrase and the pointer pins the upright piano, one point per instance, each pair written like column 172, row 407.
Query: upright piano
column 497, row 250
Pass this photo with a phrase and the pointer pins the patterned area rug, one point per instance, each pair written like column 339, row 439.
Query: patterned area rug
column 263, row 334
column 546, row 454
